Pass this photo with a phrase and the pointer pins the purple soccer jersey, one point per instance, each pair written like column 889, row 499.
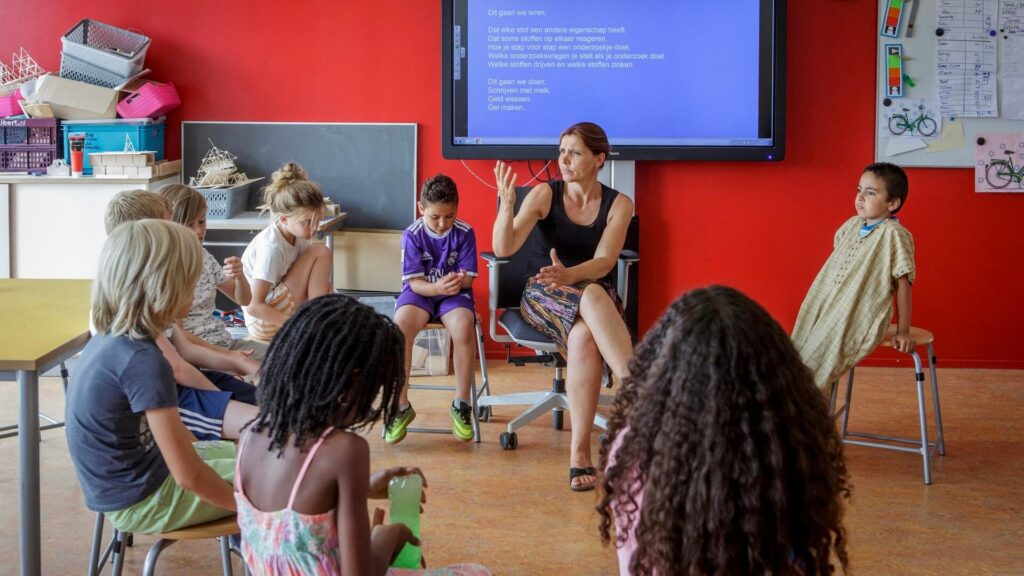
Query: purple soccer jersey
column 426, row 254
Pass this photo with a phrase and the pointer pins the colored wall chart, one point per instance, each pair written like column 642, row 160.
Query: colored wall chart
column 893, row 14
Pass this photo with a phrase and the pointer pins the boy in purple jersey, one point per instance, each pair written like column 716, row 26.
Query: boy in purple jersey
column 438, row 268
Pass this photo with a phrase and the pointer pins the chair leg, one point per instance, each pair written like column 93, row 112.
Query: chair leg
column 474, row 392
column 225, row 555
column 940, row 436
column 118, row 550
column 832, row 393
column 558, row 387
column 159, row 546
column 97, row 541
column 925, row 449
column 64, row 377
column 849, row 400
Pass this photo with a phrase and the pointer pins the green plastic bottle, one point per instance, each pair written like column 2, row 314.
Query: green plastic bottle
column 404, row 494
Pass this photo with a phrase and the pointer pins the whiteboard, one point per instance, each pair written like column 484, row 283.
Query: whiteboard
column 919, row 51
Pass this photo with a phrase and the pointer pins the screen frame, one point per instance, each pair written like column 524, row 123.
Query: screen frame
column 775, row 25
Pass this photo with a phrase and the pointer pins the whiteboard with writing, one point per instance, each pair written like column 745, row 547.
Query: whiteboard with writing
column 973, row 71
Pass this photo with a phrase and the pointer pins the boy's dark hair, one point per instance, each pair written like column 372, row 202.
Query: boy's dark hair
column 326, row 367
column 896, row 183
column 439, row 189
column 731, row 444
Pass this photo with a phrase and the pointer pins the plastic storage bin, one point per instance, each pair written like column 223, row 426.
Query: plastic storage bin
column 29, row 132
column 75, row 69
column 107, row 47
column 110, row 137
column 149, row 101
column 32, row 159
column 28, row 145
column 9, row 104
column 430, row 353
column 223, row 203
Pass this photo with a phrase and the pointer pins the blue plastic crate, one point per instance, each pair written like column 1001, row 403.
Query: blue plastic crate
column 109, row 137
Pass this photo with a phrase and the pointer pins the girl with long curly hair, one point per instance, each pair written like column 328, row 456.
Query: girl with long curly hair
column 721, row 455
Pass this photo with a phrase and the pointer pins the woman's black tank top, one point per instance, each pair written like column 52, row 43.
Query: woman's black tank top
column 573, row 243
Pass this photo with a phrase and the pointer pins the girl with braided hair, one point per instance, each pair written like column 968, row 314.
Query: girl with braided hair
column 334, row 368
column 721, row 456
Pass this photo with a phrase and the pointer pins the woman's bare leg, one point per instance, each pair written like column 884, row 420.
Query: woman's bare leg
column 583, row 387
column 608, row 329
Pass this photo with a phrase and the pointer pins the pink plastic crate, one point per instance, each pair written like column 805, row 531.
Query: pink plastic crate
column 9, row 104
column 149, row 101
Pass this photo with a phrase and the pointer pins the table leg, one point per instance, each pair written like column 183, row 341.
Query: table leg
column 329, row 241
column 28, row 437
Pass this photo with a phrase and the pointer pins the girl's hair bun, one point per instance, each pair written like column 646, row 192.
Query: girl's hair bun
column 290, row 172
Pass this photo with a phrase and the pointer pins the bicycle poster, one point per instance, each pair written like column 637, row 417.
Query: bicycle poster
column 911, row 118
column 999, row 162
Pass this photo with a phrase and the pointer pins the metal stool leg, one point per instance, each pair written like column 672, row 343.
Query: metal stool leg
column 225, row 555
column 849, row 400
column 925, row 451
column 154, row 553
column 118, row 549
column 97, row 541
column 940, row 436
column 64, row 376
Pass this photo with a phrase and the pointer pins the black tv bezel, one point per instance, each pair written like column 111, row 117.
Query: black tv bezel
column 776, row 152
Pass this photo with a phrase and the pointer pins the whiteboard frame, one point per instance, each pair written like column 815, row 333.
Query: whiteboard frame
column 920, row 49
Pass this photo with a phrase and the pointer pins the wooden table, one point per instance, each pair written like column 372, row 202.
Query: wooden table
column 42, row 323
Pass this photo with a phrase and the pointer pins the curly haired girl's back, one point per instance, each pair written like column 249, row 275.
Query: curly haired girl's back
column 728, row 461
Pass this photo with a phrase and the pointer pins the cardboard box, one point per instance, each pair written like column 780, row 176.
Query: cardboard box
column 73, row 100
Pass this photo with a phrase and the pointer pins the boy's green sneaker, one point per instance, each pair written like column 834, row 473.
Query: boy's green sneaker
column 462, row 420
column 399, row 426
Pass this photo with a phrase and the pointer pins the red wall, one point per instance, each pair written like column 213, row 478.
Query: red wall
column 763, row 228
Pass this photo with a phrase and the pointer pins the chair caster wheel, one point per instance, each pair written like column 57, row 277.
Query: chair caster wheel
column 508, row 440
column 484, row 413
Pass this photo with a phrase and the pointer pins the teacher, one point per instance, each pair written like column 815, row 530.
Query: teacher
column 570, row 297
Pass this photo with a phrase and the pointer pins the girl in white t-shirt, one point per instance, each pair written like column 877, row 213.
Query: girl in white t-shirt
column 283, row 267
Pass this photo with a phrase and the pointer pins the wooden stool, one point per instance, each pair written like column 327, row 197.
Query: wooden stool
column 922, row 446
column 219, row 529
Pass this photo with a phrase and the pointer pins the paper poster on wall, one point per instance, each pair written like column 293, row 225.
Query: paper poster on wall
column 1011, row 59
column 965, row 57
column 999, row 162
column 952, row 137
column 910, row 118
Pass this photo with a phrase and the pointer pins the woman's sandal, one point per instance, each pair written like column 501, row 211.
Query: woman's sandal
column 576, row 473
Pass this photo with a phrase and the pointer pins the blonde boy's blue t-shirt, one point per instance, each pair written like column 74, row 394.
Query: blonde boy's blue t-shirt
column 116, row 458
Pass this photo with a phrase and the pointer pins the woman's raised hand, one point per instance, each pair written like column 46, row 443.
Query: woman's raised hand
column 506, row 180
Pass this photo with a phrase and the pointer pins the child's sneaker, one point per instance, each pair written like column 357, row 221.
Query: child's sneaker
column 396, row 431
column 462, row 420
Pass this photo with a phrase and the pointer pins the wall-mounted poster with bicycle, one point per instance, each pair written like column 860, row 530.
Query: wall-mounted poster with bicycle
column 999, row 162
column 910, row 118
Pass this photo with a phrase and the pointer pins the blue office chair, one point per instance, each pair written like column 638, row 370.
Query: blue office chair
column 507, row 279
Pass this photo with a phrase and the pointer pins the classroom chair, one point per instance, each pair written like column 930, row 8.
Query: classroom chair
column 921, row 446
column 474, row 391
column 506, row 282
column 220, row 529
column 12, row 429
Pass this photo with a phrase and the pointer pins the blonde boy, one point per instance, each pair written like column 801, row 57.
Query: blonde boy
column 210, row 411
